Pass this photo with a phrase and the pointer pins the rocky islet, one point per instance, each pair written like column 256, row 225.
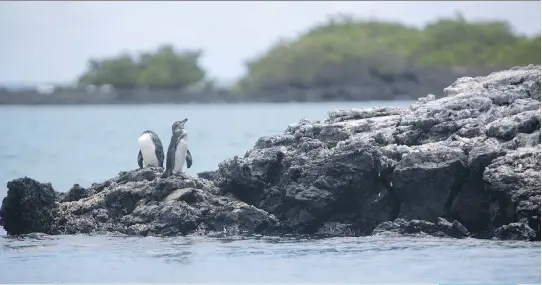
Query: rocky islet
column 465, row 165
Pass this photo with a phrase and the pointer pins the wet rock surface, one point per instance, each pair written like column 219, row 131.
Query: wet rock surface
column 471, row 158
column 440, row 228
column 466, row 165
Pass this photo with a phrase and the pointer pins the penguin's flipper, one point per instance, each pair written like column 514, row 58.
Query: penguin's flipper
column 140, row 159
column 188, row 158
column 170, row 158
column 159, row 149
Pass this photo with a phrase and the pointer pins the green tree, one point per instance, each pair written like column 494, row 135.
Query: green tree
column 163, row 68
column 344, row 50
column 167, row 68
column 120, row 71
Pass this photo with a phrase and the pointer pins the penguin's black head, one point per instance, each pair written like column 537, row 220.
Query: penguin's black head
column 178, row 126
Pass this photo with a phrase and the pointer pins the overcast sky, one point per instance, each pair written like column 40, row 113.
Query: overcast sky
column 52, row 41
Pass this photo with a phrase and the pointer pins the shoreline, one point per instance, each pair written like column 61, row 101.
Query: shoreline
column 175, row 98
column 368, row 89
column 208, row 103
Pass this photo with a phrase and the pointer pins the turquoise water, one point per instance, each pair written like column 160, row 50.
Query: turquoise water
column 84, row 144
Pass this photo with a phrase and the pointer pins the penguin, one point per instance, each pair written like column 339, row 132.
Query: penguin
column 178, row 150
column 151, row 151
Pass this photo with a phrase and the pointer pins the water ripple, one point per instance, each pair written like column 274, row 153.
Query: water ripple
column 249, row 259
column 76, row 152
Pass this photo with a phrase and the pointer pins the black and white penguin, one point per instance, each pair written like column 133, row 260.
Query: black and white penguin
column 151, row 151
column 178, row 151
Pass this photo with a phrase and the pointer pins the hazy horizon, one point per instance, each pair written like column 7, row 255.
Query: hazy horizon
column 51, row 42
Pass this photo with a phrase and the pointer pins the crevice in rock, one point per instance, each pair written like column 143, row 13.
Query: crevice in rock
column 274, row 169
column 480, row 227
column 348, row 208
column 313, row 226
column 457, row 185
column 501, row 209
column 248, row 195
column 120, row 206
column 409, row 138
column 530, row 126
column 385, row 178
column 518, row 82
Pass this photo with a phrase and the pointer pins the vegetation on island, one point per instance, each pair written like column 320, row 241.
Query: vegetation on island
column 343, row 49
column 163, row 68
column 336, row 53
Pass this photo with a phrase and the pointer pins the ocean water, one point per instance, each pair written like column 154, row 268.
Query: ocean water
column 80, row 259
column 84, row 144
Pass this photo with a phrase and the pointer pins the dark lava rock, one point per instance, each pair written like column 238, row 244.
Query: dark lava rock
column 471, row 157
column 441, row 228
column 29, row 207
column 209, row 175
column 77, row 193
column 513, row 182
column 515, row 231
column 133, row 205
column 336, row 229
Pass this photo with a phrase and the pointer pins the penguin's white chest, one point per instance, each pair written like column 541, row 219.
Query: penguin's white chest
column 148, row 150
column 180, row 154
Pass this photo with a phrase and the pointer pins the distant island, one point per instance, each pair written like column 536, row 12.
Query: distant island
column 344, row 59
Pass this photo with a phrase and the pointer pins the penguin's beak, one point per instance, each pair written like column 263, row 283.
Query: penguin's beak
column 184, row 121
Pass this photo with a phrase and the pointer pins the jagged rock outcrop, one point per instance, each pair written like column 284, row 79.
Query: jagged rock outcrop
column 464, row 165
column 137, row 202
column 472, row 157
column 29, row 207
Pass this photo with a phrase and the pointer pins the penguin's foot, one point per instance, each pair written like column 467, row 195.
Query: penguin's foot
column 165, row 174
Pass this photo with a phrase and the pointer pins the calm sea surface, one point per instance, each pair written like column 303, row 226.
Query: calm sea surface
column 84, row 144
